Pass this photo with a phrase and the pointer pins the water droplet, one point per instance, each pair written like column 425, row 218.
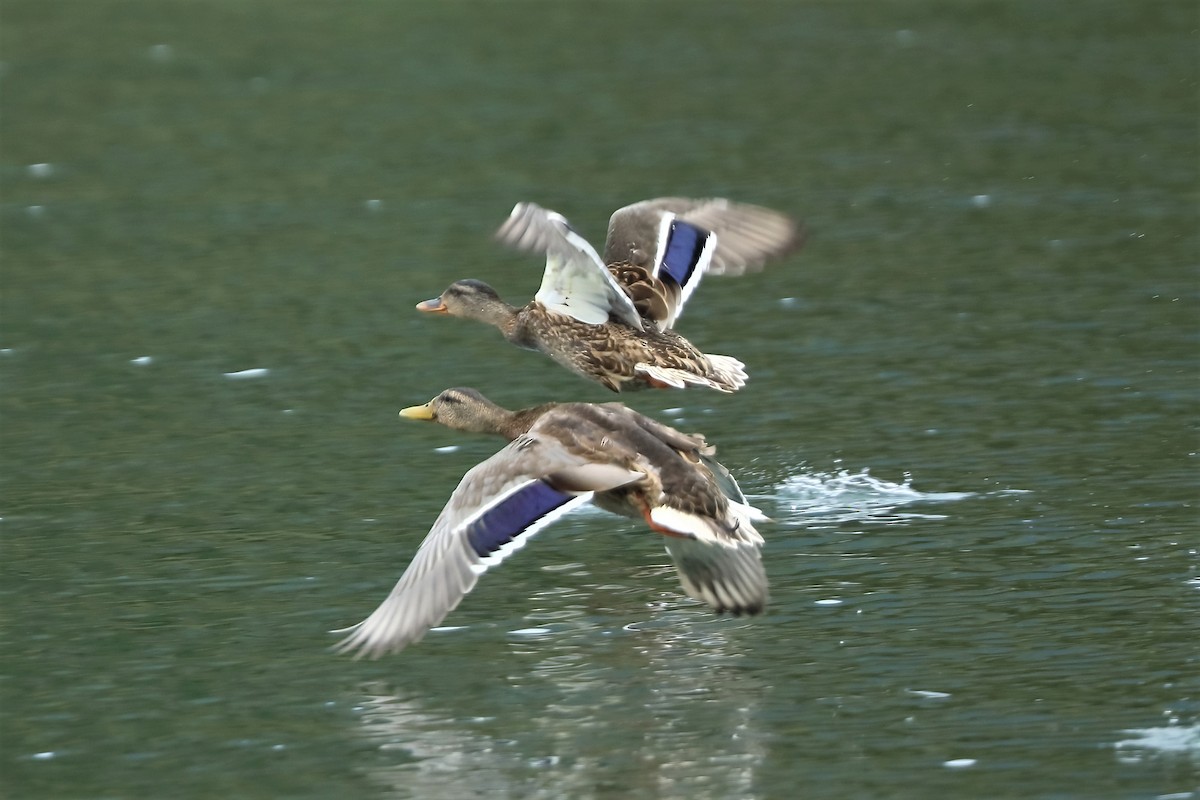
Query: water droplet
column 532, row 632
column 162, row 53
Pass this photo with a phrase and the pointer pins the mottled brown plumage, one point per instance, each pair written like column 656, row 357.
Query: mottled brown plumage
column 677, row 471
column 613, row 354
column 621, row 460
column 612, row 321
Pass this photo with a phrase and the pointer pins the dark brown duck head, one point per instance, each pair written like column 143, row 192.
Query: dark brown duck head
column 471, row 299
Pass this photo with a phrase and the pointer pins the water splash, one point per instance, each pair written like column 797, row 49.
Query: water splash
column 1169, row 740
column 823, row 497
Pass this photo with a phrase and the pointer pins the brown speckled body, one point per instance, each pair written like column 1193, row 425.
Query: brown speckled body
column 630, row 308
column 606, row 353
column 678, row 468
column 559, row 456
column 676, row 475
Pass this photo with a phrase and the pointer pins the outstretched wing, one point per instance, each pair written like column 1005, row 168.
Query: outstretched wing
column 718, row 563
column 727, row 576
column 576, row 282
column 683, row 254
column 497, row 507
column 747, row 235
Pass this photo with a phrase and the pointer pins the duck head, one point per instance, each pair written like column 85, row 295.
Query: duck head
column 471, row 299
column 462, row 409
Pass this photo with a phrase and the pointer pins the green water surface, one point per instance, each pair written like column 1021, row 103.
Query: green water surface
column 972, row 409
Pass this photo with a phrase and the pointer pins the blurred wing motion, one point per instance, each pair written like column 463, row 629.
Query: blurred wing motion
column 728, row 576
column 747, row 235
column 683, row 253
column 497, row 507
column 576, row 282
column 719, row 559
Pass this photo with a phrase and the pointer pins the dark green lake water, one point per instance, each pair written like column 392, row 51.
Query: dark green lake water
column 972, row 410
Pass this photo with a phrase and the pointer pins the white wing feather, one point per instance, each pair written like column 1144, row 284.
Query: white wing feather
column 576, row 282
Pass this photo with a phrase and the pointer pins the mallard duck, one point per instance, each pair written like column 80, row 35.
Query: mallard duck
column 611, row 320
column 559, row 456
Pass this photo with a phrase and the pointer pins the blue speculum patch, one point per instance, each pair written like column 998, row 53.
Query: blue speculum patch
column 685, row 243
column 504, row 521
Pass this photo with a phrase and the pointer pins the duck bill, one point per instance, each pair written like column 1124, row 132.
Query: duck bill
column 434, row 306
column 418, row 412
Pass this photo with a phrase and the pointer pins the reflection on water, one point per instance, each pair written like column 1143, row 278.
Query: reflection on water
column 213, row 239
column 680, row 683
column 453, row 760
